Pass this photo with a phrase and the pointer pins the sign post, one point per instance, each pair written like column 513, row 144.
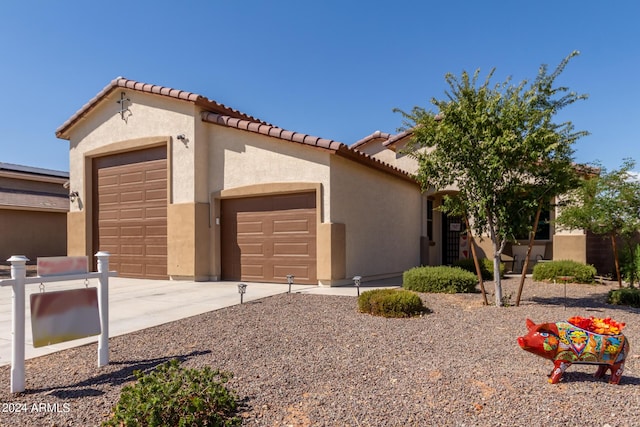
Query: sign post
column 18, row 274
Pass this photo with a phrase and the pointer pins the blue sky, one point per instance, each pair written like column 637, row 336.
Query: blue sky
column 334, row 69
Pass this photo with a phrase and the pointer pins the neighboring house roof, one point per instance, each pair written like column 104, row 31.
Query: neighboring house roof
column 220, row 114
column 24, row 198
column 9, row 167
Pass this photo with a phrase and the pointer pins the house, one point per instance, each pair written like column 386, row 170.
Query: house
column 176, row 185
column 33, row 210
column 445, row 241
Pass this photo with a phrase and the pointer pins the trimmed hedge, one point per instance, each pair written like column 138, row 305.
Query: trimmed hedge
column 551, row 270
column 624, row 296
column 391, row 303
column 486, row 267
column 441, row 279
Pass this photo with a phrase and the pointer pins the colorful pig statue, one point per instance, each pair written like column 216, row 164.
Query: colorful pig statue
column 566, row 344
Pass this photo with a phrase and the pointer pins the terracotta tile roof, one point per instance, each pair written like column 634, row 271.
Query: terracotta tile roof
column 336, row 147
column 123, row 83
column 220, row 114
column 33, row 200
column 370, row 138
column 270, row 130
column 397, row 137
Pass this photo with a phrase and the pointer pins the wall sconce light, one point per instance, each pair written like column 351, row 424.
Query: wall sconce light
column 182, row 138
column 242, row 288
column 73, row 196
column 356, row 281
column 290, row 278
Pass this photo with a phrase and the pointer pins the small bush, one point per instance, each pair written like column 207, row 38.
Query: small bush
column 440, row 279
column 391, row 303
column 486, row 267
column 624, row 296
column 551, row 270
column 173, row 396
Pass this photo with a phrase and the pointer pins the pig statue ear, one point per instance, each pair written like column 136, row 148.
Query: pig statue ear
column 530, row 324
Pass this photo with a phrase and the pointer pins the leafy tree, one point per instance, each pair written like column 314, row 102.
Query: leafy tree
column 607, row 204
column 499, row 146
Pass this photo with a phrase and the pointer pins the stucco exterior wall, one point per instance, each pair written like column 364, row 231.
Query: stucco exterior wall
column 32, row 233
column 383, row 218
column 242, row 164
column 148, row 117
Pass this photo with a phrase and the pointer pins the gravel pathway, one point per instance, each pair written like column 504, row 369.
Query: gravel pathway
column 312, row 360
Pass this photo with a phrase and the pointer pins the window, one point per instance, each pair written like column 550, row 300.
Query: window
column 544, row 226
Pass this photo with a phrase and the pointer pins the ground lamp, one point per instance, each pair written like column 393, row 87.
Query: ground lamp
column 242, row 288
column 356, row 281
column 290, row 278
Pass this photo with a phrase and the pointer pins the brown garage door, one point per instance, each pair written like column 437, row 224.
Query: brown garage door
column 266, row 238
column 130, row 212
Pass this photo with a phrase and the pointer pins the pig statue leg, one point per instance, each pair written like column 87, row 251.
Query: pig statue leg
column 559, row 366
column 602, row 369
column 616, row 372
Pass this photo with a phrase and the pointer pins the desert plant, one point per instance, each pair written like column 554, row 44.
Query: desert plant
column 486, row 267
column 173, row 396
column 624, row 296
column 440, row 279
column 552, row 270
column 391, row 303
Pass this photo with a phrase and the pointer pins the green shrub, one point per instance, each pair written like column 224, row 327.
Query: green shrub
column 173, row 396
column 486, row 267
column 552, row 270
column 441, row 279
column 624, row 296
column 391, row 303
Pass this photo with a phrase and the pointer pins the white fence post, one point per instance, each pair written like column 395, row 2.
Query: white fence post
column 103, row 303
column 18, row 274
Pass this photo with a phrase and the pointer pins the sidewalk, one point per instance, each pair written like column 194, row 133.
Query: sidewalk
column 136, row 304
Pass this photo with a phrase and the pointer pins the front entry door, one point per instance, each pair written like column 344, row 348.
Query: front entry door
column 451, row 228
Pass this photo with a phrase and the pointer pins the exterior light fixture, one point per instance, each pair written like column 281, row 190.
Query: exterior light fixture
column 182, row 138
column 356, row 281
column 73, row 196
column 290, row 278
column 242, row 288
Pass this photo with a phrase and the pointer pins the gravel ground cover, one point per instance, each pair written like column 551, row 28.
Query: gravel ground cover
column 313, row 360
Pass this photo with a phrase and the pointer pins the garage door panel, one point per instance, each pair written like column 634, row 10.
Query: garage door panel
column 131, row 211
column 267, row 238
column 289, row 226
column 155, row 212
column 291, row 249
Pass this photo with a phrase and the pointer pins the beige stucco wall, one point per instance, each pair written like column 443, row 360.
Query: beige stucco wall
column 383, row 218
column 243, row 164
column 150, row 117
column 571, row 247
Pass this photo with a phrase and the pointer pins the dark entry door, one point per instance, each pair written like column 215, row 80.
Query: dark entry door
column 451, row 228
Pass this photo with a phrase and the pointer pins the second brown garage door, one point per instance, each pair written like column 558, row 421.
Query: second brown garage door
column 266, row 238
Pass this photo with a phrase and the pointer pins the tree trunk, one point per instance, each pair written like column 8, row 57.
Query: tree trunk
column 615, row 258
column 525, row 263
column 497, row 253
column 472, row 243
